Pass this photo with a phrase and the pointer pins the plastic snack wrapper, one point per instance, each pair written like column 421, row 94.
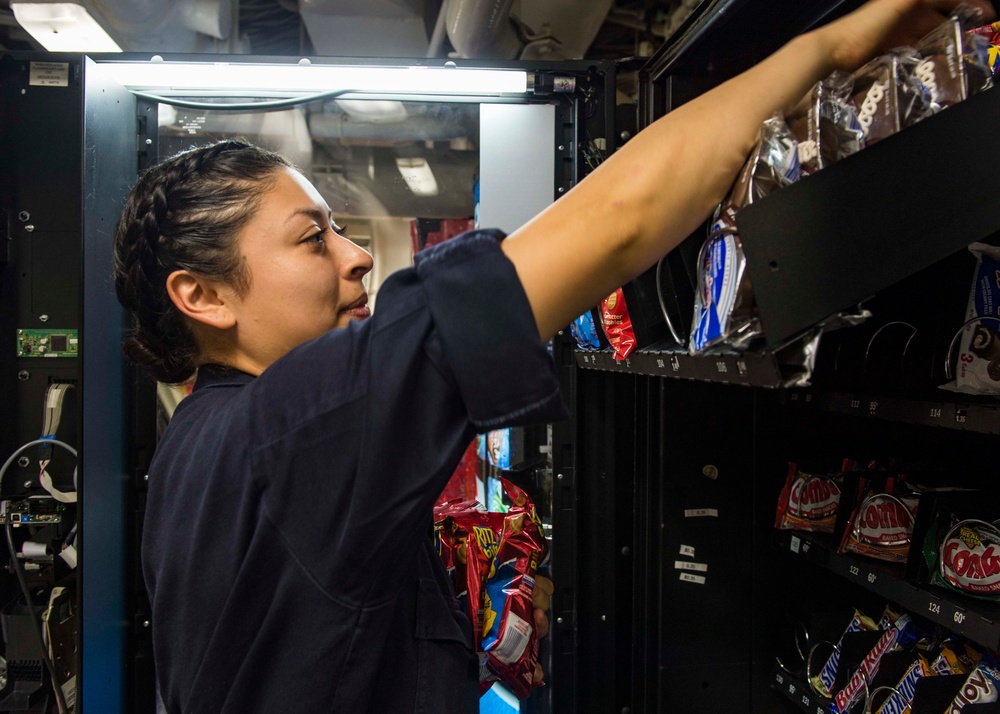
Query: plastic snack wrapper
column 902, row 636
column 977, row 369
column 955, row 660
column 823, row 682
column 992, row 34
column 617, row 324
column 954, row 65
column 981, row 687
column 899, row 701
column 964, row 555
column 881, row 526
column 724, row 309
column 807, row 502
column 825, row 124
column 887, row 97
column 586, row 332
column 494, row 558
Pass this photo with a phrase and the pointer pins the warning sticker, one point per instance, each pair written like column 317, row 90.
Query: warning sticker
column 49, row 74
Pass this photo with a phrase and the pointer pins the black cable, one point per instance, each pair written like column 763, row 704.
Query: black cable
column 32, row 619
column 245, row 106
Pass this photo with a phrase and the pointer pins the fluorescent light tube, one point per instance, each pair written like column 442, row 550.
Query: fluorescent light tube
column 418, row 176
column 63, row 27
column 176, row 78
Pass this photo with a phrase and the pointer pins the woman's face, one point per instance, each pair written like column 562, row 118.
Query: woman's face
column 305, row 279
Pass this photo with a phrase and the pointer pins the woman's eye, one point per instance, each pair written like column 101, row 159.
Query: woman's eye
column 318, row 237
column 340, row 230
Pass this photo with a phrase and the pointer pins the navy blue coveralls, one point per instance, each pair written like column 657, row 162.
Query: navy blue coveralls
column 285, row 546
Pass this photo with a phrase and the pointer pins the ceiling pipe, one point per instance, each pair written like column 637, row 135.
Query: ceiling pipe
column 483, row 29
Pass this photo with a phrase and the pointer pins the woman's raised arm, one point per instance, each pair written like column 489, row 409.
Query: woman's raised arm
column 653, row 192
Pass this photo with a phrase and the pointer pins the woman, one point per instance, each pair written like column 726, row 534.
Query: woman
column 285, row 546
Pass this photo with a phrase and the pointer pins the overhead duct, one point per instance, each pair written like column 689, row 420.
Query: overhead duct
column 483, row 29
column 414, row 128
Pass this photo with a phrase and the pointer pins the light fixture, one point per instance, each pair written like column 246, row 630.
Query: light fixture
column 418, row 176
column 63, row 27
column 169, row 78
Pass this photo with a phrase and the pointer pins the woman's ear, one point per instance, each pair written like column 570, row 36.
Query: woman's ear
column 200, row 299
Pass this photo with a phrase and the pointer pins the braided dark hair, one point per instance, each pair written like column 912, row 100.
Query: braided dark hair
column 185, row 214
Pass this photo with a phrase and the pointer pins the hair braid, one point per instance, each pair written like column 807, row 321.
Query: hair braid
column 184, row 214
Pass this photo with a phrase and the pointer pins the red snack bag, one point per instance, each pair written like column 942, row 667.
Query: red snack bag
column 617, row 324
column 807, row 503
column 881, row 527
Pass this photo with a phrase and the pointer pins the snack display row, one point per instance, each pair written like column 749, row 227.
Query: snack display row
column 897, row 664
column 840, row 116
column 492, row 559
column 940, row 536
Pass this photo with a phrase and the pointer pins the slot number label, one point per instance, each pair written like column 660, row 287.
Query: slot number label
column 934, row 607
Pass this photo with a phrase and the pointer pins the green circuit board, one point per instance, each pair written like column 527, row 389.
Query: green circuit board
column 47, row 343
column 38, row 511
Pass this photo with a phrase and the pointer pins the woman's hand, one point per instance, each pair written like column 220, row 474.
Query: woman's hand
column 541, row 598
column 881, row 25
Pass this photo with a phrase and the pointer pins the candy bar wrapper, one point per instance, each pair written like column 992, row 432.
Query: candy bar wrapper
column 981, row 687
column 964, row 556
column 902, row 636
column 825, row 124
column 724, row 310
column 617, row 324
column 952, row 660
column 992, row 34
column 808, row 503
column 954, row 65
column 822, row 683
column 887, row 97
column 899, row 701
column 881, row 527
column 978, row 366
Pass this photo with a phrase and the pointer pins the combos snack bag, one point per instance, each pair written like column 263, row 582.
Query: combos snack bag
column 965, row 556
column 493, row 558
column 808, row 503
column 617, row 324
column 881, row 526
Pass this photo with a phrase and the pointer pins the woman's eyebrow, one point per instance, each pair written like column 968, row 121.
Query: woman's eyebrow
column 316, row 214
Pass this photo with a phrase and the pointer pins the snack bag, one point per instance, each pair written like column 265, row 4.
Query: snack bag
column 887, row 97
column 617, row 324
column 981, row 687
column 978, row 365
column 508, row 635
column 823, row 682
column 584, row 331
column 881, row 527
column 964, row 556
column 724, row 310
column 954, row 65
column 825, row 124
column 808, row 503
column 992, row 33
column 951, row 660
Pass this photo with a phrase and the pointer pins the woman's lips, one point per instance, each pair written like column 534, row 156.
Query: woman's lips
column 359, row 308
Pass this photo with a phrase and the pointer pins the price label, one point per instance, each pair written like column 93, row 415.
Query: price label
column 872, row 577
column 791, row 688
column 628, row 363
column 960, row 416
column 819, row 710
column 872, row 408
column 796, row 542
column 722, row 367
column 958, row 616
column 741, row 367
column 855, row 570
column 809, row 398
column 935, row 413
column 779, row 679
column 675, row 364
column 934, row 607
column 806, row 545
column 661, row 364
column 805, row 700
